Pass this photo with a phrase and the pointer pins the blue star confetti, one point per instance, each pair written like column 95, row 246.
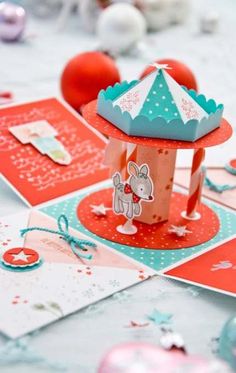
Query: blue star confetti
column 160, row 318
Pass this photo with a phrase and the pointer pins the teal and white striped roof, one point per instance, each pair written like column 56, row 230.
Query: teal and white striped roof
column 159, row 95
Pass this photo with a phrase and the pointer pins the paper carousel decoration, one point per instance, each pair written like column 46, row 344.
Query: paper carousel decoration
column 147, row 121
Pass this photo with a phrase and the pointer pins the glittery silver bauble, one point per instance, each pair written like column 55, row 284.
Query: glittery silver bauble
column 120, row 27
column 12, row 21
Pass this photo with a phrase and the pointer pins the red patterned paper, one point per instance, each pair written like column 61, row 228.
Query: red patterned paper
column 37, row 178
column 20, row 256
column 215, row 268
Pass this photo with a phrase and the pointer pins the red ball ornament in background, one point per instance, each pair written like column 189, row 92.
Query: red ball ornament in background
column 85, row 75
column 179, row 71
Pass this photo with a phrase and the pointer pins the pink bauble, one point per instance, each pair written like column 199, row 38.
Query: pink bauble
column 12, row 21
column 137, row 357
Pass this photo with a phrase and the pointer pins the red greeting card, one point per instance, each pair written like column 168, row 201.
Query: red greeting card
column 215, row 268
column 33, row 174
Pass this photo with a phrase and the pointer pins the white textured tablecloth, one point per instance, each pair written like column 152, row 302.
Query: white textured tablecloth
column 31, row 70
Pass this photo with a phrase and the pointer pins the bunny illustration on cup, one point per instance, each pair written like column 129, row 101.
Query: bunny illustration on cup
column 128, row 195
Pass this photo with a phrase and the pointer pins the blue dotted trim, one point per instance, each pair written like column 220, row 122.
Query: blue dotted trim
column 156, row 259
column 18, row 269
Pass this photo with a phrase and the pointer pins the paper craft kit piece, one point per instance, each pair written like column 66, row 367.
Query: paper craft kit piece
column 128, row 196
column 25, row 133
column 231, row 166
column 157, row 106
column 42, row 136
column 63, row 283
column 38, row 178
column 220, row 177
column 169, row 237
column 159, row 156
column 20, row 259
column 218, row 268
column 155, row 236
column 162, row 166
column 216, row 137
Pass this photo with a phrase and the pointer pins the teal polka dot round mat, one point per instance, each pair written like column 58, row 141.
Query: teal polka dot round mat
column 156, row 259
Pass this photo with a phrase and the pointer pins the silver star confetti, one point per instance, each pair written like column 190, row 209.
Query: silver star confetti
column 180, row 230
column 100, row 210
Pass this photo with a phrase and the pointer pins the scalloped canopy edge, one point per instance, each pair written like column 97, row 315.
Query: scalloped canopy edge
column 158, row 127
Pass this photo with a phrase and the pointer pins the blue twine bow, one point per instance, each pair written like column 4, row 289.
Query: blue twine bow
column 75, row 243
column 216, row 187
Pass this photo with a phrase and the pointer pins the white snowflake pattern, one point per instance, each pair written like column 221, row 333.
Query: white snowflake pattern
column 223, row 264
column 42, row 173
column 114, row 283
column 88, row 293
column 188, row 108
column 127, row 103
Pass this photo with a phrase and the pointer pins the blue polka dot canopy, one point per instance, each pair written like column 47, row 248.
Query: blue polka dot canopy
column 159, row 95
column 157, row 106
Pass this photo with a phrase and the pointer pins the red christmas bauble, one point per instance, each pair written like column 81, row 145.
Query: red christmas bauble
column 179, row 71
column 85, row 75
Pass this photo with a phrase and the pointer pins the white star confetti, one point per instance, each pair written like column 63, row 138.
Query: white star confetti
column 160, row 66
column 21, row 256
column 180, row 230
column 100, row 210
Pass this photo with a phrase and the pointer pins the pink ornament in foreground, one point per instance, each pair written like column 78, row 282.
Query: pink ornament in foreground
column 144, row 357
column 12, row 21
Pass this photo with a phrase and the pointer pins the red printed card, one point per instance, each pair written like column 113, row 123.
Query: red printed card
column 214, row 269
column 34, row 175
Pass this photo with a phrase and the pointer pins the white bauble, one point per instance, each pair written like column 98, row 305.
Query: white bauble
column 160, row 14
column 209, row 22
column 179, row 10
column 120, row 27
column 156, row 13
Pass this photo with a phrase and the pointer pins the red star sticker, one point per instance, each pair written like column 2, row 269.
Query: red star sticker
column 20, row 257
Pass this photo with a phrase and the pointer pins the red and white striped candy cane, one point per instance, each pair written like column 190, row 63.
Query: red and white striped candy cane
column 196, row 183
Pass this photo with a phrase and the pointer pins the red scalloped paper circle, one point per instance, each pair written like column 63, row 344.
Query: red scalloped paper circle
column 9, row 259
column 232, row 163
column 216, row 137
column 154, row 236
